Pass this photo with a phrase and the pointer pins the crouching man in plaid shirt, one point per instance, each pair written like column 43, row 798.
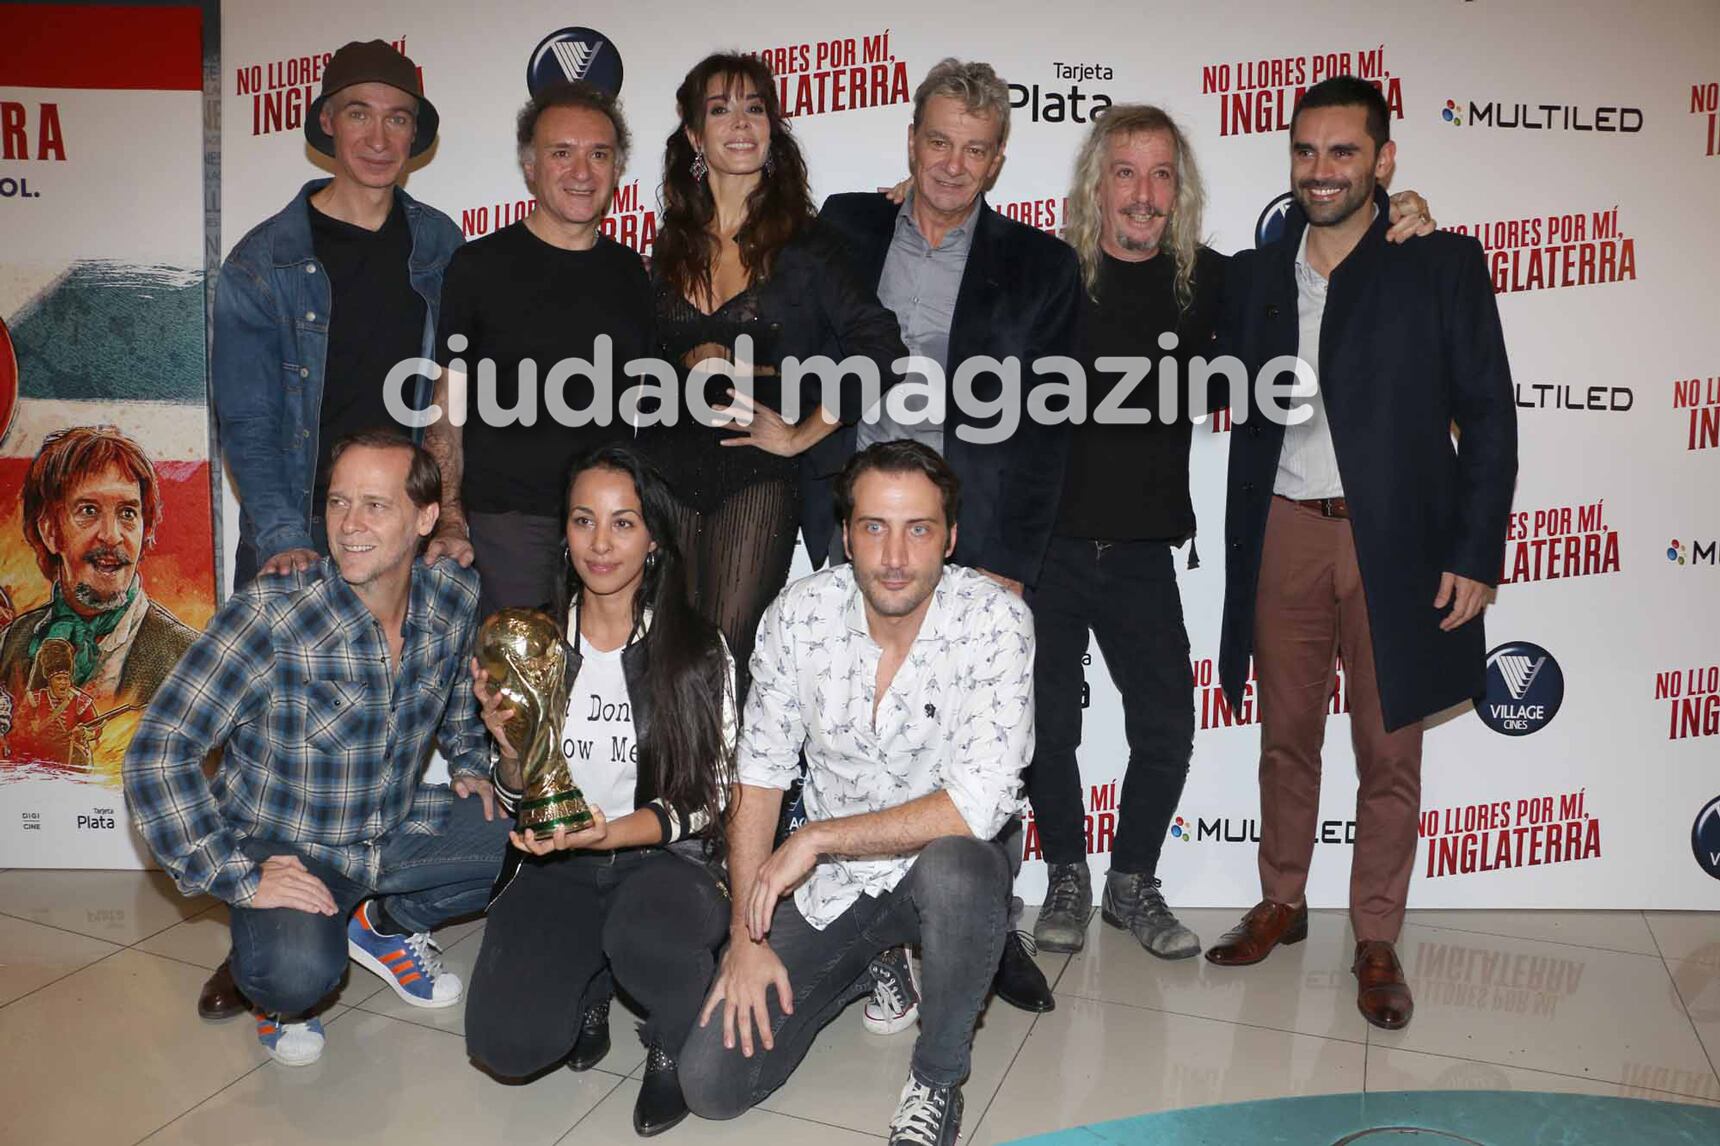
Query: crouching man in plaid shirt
column 324, row 689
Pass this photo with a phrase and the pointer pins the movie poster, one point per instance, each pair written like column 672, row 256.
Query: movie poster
column 106, row 526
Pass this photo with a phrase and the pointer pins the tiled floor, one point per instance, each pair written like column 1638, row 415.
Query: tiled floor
column 99, row 1042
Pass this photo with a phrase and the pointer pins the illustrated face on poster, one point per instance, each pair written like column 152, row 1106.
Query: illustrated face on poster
column 99, row 647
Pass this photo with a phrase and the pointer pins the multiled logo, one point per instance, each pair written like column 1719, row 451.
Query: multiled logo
column 1542, row 116
column 1693, row 553
column 1705, row 838
column 1525, row 687
column 1270, row 227
column 574, row 54
column 1453, row 113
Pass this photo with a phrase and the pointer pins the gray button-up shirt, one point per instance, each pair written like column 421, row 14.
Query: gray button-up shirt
column 919, row 284
column 1308, row 463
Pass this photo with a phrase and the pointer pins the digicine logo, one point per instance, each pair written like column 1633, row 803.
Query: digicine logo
column 1705, row 838
column 1270, row 227
column 574, row 54
column 1525, row 687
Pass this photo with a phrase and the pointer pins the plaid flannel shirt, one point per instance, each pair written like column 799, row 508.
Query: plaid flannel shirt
column 323, row 745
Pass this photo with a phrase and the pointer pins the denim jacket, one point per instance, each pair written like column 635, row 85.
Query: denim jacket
column 271, row 341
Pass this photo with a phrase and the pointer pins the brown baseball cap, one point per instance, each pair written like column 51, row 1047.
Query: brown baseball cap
column 371, row 62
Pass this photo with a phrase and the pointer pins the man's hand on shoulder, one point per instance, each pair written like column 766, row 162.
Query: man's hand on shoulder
column 287, row 883
column 289, row 561
column 450, row 540
column 1013, row 586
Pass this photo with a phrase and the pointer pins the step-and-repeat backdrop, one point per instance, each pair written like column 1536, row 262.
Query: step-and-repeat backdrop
column 1579, row 143
column 107, row 549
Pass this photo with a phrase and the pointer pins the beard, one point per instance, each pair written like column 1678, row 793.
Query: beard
column 1331, row 213
column 90, row 597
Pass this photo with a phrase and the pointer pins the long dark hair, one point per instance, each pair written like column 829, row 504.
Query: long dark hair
column 686, row 672
column 777, row 210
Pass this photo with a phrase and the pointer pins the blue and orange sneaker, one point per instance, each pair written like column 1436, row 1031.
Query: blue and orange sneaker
column 411, row 964
column 291, row 1044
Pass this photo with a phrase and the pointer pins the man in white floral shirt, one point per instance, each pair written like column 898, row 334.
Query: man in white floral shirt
column 908, row 685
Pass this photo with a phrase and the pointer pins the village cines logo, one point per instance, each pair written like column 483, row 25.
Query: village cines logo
column 572, row 54
column 1525, row 687
column 1542, row 116
column 1073, row 104
column 1562, row 249
column 1559, row 542
column 1269, row 228
column 843, row 73
column 1693, row 698
column 1256, row 96
column 1705, row 838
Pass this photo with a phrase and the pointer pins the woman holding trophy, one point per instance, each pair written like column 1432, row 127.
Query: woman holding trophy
column 615, row 751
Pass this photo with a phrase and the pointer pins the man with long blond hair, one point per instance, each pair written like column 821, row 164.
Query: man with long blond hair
column 1152, row 291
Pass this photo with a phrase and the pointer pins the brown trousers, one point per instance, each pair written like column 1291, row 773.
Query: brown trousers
column 1310, row 606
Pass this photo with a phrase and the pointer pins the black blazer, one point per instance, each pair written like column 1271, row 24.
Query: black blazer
column 1019, row 298
column 1410, row 344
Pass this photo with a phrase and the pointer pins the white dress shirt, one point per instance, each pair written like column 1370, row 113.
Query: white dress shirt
column 957, row 717
column 1308, row 462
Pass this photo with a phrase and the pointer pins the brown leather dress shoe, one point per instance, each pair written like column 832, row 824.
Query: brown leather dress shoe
column 1381, row 993
column 1267, row 924
column 221, row 997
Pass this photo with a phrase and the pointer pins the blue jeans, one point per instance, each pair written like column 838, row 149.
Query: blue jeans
column 287, row 961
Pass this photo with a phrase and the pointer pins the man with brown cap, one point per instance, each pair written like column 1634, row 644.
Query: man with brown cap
column 312, row 310
column 318, row 303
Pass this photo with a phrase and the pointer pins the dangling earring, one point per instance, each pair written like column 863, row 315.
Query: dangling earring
column 650, row 560
column 699, row 167
column 566, row 555
column 770, row 163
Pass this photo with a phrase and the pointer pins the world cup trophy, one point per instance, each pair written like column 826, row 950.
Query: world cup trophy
column 522, row 650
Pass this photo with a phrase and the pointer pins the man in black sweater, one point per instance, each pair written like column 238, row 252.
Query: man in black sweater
column 1152, row 292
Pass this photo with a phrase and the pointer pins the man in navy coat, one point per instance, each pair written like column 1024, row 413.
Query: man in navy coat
column 1374, row 529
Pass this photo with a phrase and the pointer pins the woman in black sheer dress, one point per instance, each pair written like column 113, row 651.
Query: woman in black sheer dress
column 739, row 253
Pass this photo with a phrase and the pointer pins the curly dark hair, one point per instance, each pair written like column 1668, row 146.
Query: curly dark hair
column 778, row 209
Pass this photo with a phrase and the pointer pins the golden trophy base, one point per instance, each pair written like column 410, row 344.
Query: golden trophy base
column 560, row 810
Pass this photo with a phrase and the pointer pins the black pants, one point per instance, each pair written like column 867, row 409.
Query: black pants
column 519, row 561
column 1126, row 594
column 562, row 924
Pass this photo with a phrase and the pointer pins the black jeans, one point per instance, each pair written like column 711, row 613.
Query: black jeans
column 1126, row 593
column 519, row 561
column 952, row 903
column 652, row 918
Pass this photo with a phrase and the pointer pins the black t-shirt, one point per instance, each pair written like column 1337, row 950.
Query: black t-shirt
column 515, row 298
column 1130, row 482
column 375, row 320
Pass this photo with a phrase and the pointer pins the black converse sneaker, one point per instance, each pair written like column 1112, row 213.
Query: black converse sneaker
column 895, row 1001
column 927, row 1115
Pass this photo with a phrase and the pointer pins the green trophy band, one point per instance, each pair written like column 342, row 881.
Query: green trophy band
column 522, row 650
